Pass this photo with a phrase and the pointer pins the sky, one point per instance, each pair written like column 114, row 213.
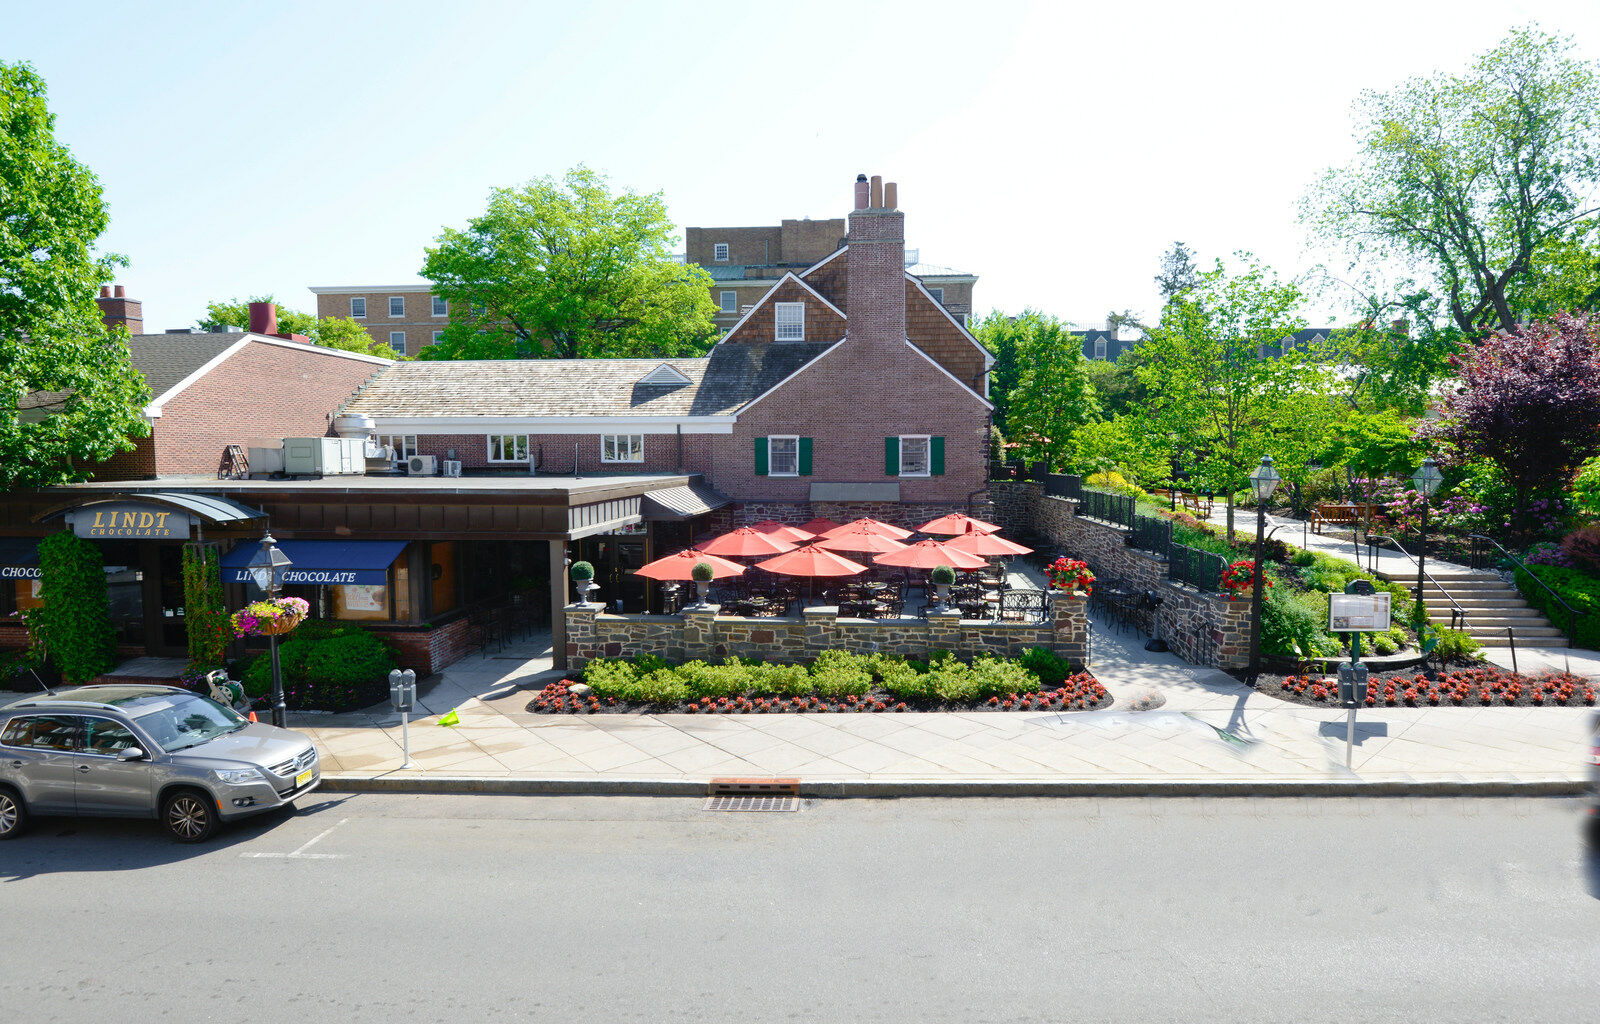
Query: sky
column 1053, row 149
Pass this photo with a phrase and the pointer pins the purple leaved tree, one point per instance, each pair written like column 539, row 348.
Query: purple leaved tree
column 1530, row 403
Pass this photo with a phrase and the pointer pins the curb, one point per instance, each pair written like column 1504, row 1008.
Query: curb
column 890, row 788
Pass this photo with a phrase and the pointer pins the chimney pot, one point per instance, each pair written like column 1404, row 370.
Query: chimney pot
column 891, row 196
column 876, row 202
column 119, row 292
column 105, row 291
column 263, row 318
column 861, row 191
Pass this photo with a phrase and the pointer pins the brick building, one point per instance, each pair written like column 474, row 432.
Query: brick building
column 409, row 317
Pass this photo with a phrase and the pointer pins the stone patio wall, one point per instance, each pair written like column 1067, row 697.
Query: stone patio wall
column 703, row 634
column 1201, row 628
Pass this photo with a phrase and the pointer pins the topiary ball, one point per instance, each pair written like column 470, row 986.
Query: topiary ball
column 703, row 572
column 582, row 571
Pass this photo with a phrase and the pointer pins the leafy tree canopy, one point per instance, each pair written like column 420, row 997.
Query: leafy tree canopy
column 332, row 331
column 1178, row 272
column 1001, row 335
column 567, row 270
column 69, row 394
column 1053, row 396
column 1483, row 181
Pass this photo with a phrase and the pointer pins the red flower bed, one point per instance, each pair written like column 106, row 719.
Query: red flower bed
column 1080, row 692
column 1484, row 686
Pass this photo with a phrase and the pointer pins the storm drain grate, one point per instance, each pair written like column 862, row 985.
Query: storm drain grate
column 752, row 803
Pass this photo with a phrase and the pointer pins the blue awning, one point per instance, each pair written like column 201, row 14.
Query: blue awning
column 322, row 562
column 19, row 558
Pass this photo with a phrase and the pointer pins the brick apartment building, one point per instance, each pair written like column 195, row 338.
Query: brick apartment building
column 408, row 316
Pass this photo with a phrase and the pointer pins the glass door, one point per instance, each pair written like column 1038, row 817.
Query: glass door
column 170, row 636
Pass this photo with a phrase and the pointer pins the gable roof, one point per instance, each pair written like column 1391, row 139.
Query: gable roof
column 988, row 357
column 767, row 295
column 665, row 374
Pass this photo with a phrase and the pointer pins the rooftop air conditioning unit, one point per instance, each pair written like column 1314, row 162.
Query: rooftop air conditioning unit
column 422, row 465
column 452, row 467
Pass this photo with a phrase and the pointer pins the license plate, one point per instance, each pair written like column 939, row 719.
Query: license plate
column 303, row 778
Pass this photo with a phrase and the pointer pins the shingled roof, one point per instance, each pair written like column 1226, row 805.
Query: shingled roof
column 166, row 359
column 719, row 385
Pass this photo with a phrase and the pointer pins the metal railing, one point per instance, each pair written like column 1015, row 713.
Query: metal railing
column 1025, row 605
column 1480, row 560
column 1063, row 485
column 1458, row 614
column 1201, row 569
column 1107, row 507
column 1154, row 535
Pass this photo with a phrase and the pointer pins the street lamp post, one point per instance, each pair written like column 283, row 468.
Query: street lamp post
column 266, row 570
column 1427, row 480
column 1264, row 481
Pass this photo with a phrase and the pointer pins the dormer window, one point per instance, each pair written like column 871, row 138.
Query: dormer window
column 789, row 321
column 719, row 252
column 665, row 374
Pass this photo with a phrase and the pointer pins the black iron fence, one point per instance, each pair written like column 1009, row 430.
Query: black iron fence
column 1063, row 485
column 1107, row 507
column 1202, row 569
column 1154, row 535
column 1026, row 605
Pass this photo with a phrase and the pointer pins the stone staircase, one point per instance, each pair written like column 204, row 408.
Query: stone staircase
column 1492, row 606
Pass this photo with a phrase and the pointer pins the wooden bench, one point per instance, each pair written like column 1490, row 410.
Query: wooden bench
column 1341, row 515
column 1193, row 503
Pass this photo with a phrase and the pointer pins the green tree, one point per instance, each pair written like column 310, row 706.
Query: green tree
column 568, row 270
column 1122, row 443
column 68, row 392
column 330, row 331
column 1001, row 334
column 1371, row 446
column 1483, row 181
column 1178, row 272
column 1214, row 381
column 1053, row 395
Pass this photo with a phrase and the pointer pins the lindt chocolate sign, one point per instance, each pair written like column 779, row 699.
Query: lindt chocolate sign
column 130, row 521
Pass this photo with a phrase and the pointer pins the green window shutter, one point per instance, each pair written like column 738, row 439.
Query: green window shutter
column 891, row 456
column 936, row 455
column 805, row 456
column 761, row 456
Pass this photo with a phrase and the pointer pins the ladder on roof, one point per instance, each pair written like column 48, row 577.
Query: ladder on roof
column 235, row 464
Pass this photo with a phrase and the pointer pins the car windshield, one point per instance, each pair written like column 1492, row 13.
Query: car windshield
column 189, row 721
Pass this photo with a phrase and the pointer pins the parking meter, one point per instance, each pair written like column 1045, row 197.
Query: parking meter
column 402, row 689
column 1352, row 685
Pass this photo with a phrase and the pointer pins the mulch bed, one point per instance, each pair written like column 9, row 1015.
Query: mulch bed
column 1081, row 692
column 1476, row 687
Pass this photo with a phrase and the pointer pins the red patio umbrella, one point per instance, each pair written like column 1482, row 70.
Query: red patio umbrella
column 819, row 526
column 797, row 534
column 859, row 538
column 929, row 554
column 680, row 566
column 990, row 544
column 746, row 543
column 873, row 525
column 956, row 523
column 812, row 560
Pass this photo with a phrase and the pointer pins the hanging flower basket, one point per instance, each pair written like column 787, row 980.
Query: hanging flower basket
column 270, row 618
column 1070, row 574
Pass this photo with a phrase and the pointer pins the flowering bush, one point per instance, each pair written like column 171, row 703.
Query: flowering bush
column 249, row 619
column 1240, row 577
column 1070, row 574
column 1546, row 553
column 1482, row 687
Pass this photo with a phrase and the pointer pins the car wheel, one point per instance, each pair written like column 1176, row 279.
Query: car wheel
column 13, row 816
column 189, row 816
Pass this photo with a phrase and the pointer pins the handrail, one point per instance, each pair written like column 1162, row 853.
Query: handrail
column 1374, row 541
column 1572, row 613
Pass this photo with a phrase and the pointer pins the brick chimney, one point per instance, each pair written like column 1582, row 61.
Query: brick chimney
column 876, row 271
column 263, row 318
column 116, row 308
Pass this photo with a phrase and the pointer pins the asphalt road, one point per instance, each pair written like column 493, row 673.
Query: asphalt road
column 428, row 908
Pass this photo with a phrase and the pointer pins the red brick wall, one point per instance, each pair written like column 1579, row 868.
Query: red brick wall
column 556, row 451
column 138, row 464
column 262, row 392
column 426, row 651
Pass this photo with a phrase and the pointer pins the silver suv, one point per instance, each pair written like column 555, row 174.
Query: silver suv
column 145, row 752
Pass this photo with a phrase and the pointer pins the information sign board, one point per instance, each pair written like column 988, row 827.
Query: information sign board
column 1358, row 613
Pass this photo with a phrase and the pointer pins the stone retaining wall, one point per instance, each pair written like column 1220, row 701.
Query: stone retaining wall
column 700, row 633
column 1201, row 628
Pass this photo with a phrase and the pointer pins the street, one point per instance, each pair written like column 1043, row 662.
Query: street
column 430, row 908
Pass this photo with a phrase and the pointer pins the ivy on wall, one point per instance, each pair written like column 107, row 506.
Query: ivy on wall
column 206, row 618
column 74, row 622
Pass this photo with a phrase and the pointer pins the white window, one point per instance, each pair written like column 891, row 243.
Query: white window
column 397, row 305
column 783, row 456
column 938, row 295
column 440, row 307
column 621, row 447
column 397, row 341
column 404, row 445
column 729, row 301
column 790, row 318
column 719, row 252
column 358, row 307
column 914, row 455
column 508, row 447
column 1100, row 348
column 436, row 336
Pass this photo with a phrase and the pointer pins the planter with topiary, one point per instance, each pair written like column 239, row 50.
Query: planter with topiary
column 703, row 574
column 583, row 577
column 943, row 577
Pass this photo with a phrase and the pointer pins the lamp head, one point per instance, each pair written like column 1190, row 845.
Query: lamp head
column 1428, row 478
column 1265, row 480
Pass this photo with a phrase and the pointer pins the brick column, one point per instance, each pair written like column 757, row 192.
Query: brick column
column 944, row 631
column 700, row 631
column 1232, row 634
column 820, row 624
column 579, row 644
column 1070, row 625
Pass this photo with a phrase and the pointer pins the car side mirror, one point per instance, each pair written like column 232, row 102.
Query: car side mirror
column 130, row 754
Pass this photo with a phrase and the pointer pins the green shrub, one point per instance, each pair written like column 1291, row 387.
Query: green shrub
column 326, row 667
column 1294, row 625
column 616, row 678
column 1577, row 588
column 996, row 677
column 1457, row 645
column 75, row 620
column 908, row 684
column 1051, row 668
column 840, row 673
column 942, row 576
column 582, row 571
column 781, row 680
column 1383, row 643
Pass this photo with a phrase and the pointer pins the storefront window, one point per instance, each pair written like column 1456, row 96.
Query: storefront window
column 442, row 574
column 372, row 602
